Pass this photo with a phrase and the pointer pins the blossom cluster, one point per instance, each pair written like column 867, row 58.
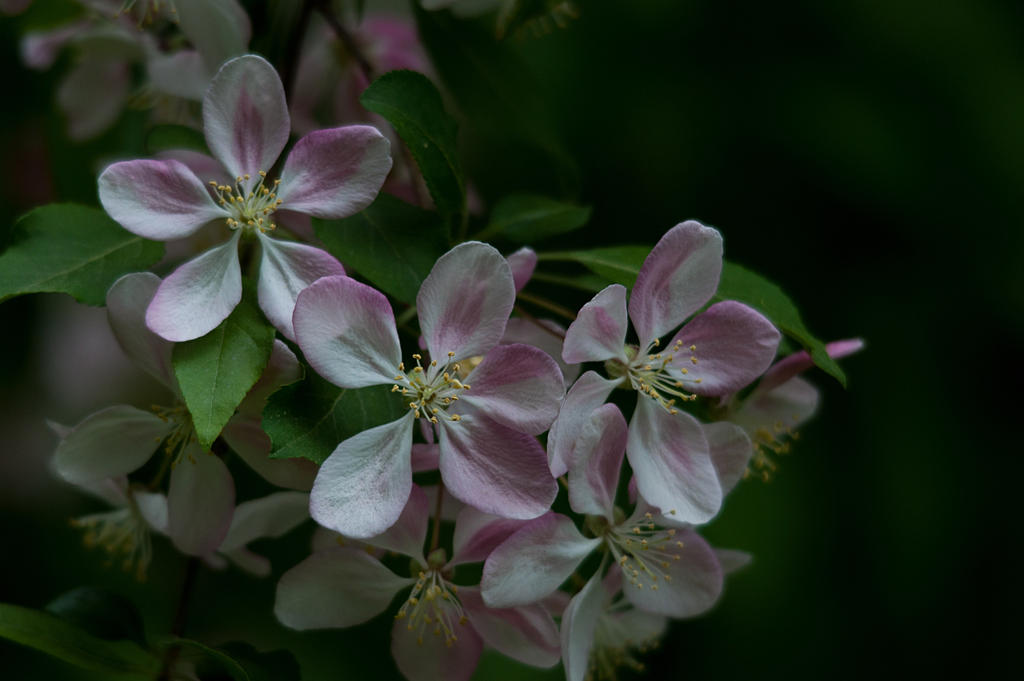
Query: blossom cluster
column 574, row 466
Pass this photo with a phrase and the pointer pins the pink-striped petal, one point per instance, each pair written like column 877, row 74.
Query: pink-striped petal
column 409, row 532
column 465, row 301
column 670, row 457
column 365, row 483
column 695, row 586
column 197, row 296
column 534, row 561
column 519, row 386
column 422, row 656
column 337, row 587
column 127, row 301
column 347, row 332
column 160, row 200
column 204, row 166
column 425, row 457
column 245, row 117
column 579, row 625
column 730, row 452
column 200, row 502
column 522, row 263
column 546, row 335
column 586, row 395
column 246, row 438
column 286, row 269
column 526, row 634
column 677, row 278
column 599, row 331
column 594, row 475
column 478, row 533
column 114, row 441
column 335, row 173
column 494, row 468
column 734, row 345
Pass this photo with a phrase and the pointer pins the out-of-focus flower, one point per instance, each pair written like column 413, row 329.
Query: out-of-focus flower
column 108, row 46
column 442, row 627
column 716, row 353
column 328, row 173
column 119, row 440
column 488, row 456
column 779, row 404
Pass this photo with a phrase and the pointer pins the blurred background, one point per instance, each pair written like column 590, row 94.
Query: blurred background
column 868, row 157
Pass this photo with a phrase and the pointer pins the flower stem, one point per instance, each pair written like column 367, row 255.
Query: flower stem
column 180, row 617
column 347, row 39
column 549, row 305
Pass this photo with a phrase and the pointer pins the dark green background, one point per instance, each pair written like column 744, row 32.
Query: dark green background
column 869, row 157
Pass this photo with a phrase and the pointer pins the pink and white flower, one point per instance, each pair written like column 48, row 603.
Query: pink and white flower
column 488, row 455
column 716, row 353
column 442, row 627
column 669, row 568
column 328, row 173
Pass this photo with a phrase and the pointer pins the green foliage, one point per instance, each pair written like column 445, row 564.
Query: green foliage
column 392, row 244
column 164, row 137
column 412, row 104
column 741, row 284
column 527, row 218
column 101, row 612
column 216, row 371
column 49, row 634
column 73, row 249
column 237, row 661
column 617, row 264
column 308, row 419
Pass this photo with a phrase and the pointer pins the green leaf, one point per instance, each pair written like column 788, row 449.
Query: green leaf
column 51, row 635
column 68, row 248
column 216, row 371
column 308, row 419
column 238, row 661
column 221, row 662
column 101, row 612
column 411, row 103
column 617, row 264
column 527, row 218
column 739, row 283
column 392, row 244
column 164, row 137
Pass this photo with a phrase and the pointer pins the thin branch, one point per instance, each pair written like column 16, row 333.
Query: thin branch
column 346, row 38
column 180, row 618
column 549, row 305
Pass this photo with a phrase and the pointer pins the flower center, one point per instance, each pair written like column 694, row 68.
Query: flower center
column 659, row 376
column 183, row 433
column 249, row 210
column 433, row 605
column 432, row 389
column 644, row 551
column 123, row 534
